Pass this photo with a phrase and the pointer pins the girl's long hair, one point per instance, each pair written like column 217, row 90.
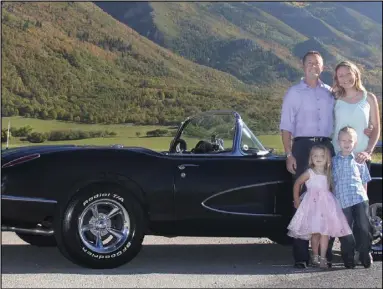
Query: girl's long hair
column 337, row 89
column 328, row 165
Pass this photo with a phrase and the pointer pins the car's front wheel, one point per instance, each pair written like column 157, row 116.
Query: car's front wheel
column 102, row 227
column 376, row 222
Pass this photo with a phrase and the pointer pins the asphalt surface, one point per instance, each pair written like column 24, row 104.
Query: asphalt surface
column 181, row 263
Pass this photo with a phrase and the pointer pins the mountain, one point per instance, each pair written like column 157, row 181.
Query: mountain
column 373, row 10
column 262, row 42
column 72, row 61
column 156, row 63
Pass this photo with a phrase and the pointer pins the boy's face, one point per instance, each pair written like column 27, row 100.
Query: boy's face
column 346, row 142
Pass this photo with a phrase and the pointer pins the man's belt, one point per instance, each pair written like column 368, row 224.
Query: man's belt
column 313, row 138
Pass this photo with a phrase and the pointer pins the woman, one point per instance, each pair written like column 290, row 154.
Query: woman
column 357, row 108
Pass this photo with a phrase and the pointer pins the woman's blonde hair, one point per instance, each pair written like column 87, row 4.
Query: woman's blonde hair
column 337, row 88
column 328, row 164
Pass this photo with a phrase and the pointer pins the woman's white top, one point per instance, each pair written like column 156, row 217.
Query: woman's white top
column 355, row 115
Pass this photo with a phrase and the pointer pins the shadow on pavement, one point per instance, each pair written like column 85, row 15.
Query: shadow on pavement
column 213, row 259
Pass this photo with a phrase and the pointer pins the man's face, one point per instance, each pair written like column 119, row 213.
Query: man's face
column 346, row 142
column 313, row 66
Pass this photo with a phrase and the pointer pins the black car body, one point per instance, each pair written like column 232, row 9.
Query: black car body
column 97, row 203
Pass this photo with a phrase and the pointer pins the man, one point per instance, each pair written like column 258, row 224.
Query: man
column 307, row 119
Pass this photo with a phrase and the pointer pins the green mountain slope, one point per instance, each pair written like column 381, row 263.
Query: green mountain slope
column 73, row 61
column 373, row 10
column 260, row 42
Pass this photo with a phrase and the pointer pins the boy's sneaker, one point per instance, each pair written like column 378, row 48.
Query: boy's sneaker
column 301, row 265
column 349, row 265
column 356, row 258
column 369, row 261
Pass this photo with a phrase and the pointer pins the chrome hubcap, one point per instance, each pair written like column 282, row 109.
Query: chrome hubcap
column 376, row 222
column 100, row 224
column 104, row 226
column 376, row 218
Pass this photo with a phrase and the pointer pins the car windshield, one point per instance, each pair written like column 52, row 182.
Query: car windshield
column 219, row 129
column 213, row 128
column 249, row 142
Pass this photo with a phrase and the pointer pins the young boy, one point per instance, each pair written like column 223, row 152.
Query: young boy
column 350, row 187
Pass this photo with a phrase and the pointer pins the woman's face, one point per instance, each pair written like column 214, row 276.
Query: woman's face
column 346, row 77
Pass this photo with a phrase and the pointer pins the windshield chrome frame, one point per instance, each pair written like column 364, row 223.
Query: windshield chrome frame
column 239, row 125
column 262, row 149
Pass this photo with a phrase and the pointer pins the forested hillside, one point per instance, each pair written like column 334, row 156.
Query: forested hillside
column 72, row 61
column 159, row 62
column 262, row 42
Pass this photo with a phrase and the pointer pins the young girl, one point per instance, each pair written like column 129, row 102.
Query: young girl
column 318, row 214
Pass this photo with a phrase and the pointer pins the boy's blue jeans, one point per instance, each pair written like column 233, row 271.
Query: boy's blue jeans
column 361, row 239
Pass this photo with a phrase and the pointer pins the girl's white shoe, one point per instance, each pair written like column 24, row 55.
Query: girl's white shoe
column 315, row 260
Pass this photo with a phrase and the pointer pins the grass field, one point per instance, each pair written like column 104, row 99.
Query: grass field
column 126, row 135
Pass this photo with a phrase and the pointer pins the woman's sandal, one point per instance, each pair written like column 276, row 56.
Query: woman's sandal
column 323, row 263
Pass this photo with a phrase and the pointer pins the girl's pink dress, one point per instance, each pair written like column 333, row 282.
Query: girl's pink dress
column 319, row 212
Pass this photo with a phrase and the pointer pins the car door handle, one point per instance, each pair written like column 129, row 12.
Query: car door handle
column 183, row 166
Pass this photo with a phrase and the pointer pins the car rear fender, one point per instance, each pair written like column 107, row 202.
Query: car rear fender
column 374, row 190
column 374, row 187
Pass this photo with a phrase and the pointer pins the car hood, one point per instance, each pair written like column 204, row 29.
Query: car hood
column 17, row 152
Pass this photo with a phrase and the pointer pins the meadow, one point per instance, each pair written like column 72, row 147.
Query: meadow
column 126, row 135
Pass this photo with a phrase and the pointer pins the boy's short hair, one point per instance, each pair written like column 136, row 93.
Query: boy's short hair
column 351, row 131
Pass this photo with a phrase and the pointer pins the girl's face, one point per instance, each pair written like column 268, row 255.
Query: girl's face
column 346, row 77
column 318, row 158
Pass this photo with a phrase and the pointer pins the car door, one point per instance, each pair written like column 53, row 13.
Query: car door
column 214, row 189
column 222, row 177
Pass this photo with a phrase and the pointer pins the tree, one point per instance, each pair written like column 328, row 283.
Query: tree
column 37, row 137
column 53, row 114
column 4, row 135
column 26, row 25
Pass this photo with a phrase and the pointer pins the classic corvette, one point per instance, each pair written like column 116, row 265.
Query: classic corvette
column 96, row 204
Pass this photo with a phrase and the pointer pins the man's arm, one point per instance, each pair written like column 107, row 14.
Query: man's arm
column 287, row 141
column 288, row 112
column 287, row 127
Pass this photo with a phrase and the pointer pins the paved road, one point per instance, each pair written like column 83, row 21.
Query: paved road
column 180, row 262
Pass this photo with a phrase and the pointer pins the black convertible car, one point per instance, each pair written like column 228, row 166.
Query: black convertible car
column 97, row 203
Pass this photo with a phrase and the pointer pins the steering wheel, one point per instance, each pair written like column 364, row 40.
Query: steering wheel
column 218, row 143
column 180, row 145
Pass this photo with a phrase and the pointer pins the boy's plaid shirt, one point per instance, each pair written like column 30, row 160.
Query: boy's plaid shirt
column 349, row 178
